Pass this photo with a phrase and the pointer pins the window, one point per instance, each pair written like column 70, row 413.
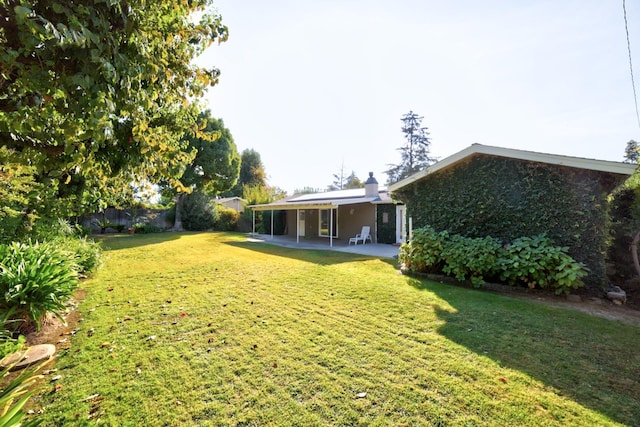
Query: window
column 326, row 216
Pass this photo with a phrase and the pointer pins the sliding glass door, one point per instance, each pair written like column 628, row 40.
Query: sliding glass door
column 326, row 217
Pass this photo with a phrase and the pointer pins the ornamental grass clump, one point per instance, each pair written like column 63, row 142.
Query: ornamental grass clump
column 35, row 279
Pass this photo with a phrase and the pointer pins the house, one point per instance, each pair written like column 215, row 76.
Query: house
column 341, row 214
column 506, row 193
column 235, row 202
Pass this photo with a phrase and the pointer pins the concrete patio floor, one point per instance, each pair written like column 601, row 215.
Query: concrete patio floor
column 371, row 249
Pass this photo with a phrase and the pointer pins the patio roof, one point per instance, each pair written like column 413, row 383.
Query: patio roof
column 311, row 204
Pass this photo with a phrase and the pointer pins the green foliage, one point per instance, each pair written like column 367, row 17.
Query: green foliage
column 423, row 253
column 226, row 218
column 625, row 224
column 147, row 228
column 536, row 261
column 415, row 152
column 82, row 251
column 528, row 261
column 471, row 259
column 35, row 279
column 252, row 174
column 17, row 188
column 198, row 212
column 8, row 342
column 509, row 198
column 15, row 395
column 98, row 94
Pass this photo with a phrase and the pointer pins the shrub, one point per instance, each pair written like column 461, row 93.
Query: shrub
column 84, row 252
column 35, row 279
column 528, row 261
column 8, row 342
column 198, row 212
column 471, row 258
column 536, row 261
column 424, row 252
column 147, row 228
column 226, row 218
column 15, row 394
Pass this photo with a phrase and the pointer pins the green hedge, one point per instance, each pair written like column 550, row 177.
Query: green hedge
column 509, row 198
column 527, row 261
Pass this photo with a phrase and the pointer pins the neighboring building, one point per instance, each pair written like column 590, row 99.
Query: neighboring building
column 505, row 193
column 232, row 202
column 342, row 214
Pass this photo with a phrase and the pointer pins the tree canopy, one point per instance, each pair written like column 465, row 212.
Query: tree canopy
column 97, row 94
column 216, row 164
column 415, row 151
column 341, row 182
column 631, row 152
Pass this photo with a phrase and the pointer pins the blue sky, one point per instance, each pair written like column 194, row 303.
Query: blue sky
column 316, row 84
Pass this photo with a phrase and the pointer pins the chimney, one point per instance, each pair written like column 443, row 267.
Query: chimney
column 371, row 186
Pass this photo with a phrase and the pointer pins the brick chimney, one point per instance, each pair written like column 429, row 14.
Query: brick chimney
column 371, row 186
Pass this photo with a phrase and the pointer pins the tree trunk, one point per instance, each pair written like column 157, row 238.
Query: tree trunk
column 634, row 252
column 177, row 225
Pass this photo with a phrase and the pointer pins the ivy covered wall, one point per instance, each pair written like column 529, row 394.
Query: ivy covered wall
column 509, row 198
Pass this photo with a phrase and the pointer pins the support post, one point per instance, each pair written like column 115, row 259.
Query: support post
column 271, row 224
column 297, row 226
column 253, row 229
column 331, row 228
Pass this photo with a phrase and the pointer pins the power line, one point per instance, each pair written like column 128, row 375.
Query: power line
column 633, row 83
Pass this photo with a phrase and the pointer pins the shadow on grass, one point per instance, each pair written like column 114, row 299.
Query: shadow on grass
column 593, row 361
column 315, row 256
column 114, row 242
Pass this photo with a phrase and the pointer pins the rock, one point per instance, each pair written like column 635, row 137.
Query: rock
column 574, row 298
column 617, row 295
column 28, row 357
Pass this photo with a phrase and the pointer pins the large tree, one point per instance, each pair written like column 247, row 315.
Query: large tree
column 252, row 174
column 97, row 94
column 341, row 182
column 415, row 151
column 215, row 166
column 631, row 152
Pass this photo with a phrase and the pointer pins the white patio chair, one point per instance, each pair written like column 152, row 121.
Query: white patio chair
column 362, row 237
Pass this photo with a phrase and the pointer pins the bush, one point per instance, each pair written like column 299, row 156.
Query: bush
column 528, row 261
column 226, row 218
column 536, row 261
column 198, row 212
column 424, row 252
column 471, row 258
column 147, row 228
column 84, row 252
column 35, row 279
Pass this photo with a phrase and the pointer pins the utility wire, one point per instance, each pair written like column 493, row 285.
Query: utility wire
column 633, row 83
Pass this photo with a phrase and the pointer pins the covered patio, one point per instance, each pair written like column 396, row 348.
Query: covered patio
column 372, row 249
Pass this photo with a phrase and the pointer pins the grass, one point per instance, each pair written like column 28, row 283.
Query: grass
column 208, row 330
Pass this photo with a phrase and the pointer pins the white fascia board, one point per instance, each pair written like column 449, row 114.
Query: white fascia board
column 554, row 159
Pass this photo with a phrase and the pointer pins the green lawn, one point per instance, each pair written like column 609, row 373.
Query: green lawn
column 206, row 329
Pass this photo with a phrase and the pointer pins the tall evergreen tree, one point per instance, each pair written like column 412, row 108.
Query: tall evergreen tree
column 631, row 154
column 415, row 152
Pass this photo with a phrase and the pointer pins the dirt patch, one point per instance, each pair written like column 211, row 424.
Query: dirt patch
column 56, row 331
